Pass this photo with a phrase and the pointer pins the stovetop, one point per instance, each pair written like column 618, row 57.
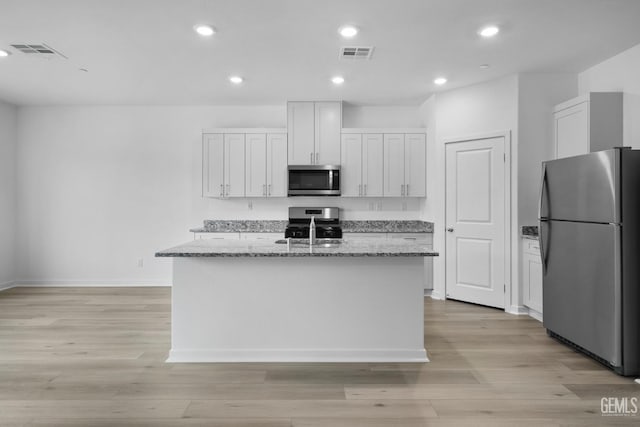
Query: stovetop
column 327, row 222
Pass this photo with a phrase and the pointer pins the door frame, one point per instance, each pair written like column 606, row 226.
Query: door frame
column 508, row 247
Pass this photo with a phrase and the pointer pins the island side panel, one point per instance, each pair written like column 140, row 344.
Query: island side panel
column 312, row 309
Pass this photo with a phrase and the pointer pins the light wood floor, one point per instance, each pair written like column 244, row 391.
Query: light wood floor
column 95, row 357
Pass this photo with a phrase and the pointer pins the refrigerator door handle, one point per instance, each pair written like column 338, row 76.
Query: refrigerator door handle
column 543, row 193
column 543, row 230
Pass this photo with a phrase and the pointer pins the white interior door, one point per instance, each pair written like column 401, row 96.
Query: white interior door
column 475, row 221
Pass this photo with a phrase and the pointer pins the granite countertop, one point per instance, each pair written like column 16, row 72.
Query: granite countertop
column 529, row 231
column 352, row 247
column 278, row 226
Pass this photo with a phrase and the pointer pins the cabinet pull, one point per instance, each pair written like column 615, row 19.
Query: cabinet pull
column 221, row 190
column 365, row 189
column 311, row 158
column 407, row 189
column 269, row 189
column 317, row 157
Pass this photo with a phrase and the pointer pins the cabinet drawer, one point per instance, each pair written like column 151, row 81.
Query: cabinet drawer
column 418, row 237
column 216, row 236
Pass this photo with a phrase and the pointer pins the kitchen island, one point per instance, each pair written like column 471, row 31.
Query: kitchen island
column 258, row 301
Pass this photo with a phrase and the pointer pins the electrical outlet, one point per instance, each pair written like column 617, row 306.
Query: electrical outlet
column 140, row 262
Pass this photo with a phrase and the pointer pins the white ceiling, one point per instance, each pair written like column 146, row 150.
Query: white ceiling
column 146, row 52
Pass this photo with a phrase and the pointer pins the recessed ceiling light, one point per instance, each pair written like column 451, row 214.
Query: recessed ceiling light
column 204, row 30
column 337, row 80
column 348, row 31
column 484, row 66
column 4, row 53
column 489, row 31
column 236, row 80
column 440, row 81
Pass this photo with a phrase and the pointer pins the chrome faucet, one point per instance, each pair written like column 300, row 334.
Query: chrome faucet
column 312, row 231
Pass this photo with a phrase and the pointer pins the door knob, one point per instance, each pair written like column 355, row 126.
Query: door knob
column 450, row 230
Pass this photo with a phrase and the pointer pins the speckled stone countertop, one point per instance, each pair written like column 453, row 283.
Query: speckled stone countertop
column 348, row 226
column 530, row 231
column 352, row 247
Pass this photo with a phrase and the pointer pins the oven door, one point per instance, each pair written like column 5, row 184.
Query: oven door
column 314, row 180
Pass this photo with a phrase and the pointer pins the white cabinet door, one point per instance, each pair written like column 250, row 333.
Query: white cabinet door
column 415, row 165
column 234, row 165
column 328, row 124
column 256, row 165
column 532, row 274
column 372, row 165
column 277, row 165
column 572, row 130
column 351, row 168
column 301, row 132
column 212, row 165
column 394, row 165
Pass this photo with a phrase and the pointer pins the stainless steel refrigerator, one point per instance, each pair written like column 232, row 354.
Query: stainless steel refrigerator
column 590, row 246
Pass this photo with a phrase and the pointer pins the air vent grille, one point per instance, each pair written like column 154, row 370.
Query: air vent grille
column 41, row 49
column 356, row 52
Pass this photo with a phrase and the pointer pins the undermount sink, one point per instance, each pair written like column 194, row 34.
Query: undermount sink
column 320, row 243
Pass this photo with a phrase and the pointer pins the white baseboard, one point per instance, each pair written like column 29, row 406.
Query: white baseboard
column 436, row 295
column 298, row 355
column 7, row 285
column 518, row 310
column 88, row 283
column 535, row 314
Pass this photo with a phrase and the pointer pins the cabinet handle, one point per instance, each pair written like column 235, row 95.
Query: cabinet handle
column 269, row 189
column 221, row 190
column 311, row 158
column 407, row 189
column 317, row 157
column 365, row 189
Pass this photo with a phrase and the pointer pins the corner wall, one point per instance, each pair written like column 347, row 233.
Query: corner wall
column 619, row 74
column 8, row 212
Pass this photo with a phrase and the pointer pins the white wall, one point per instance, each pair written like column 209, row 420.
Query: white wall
column 354, row 116
column 8, row 215
column 619, row 74
column 102, row 187
column 537, row 95
column 470, row 111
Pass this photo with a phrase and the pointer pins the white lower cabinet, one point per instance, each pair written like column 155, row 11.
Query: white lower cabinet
column 532, row 275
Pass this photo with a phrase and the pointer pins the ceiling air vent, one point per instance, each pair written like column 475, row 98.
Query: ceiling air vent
column 356, row 52
column 40, row 50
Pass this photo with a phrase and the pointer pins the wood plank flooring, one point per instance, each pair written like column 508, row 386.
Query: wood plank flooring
column 95, row 357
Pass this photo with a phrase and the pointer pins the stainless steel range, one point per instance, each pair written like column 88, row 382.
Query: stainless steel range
column 326, row 220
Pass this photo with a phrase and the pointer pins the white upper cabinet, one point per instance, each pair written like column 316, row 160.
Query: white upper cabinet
column 372, row 165
column 328, row 124
column 415, row 177
column 223, row 165
column 234, row 165
column 277, row 165
column 588, row 123
column 351, row 168
column 256, row 165
column 213, row 165
column 314, row 132
column 362, row 165
column 405, row 165
column 266, row 165
column 394, row 165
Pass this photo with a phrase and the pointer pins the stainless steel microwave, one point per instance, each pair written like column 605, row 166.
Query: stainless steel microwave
column 314, row 180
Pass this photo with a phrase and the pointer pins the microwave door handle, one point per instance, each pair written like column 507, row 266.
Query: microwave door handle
column 330, row 180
